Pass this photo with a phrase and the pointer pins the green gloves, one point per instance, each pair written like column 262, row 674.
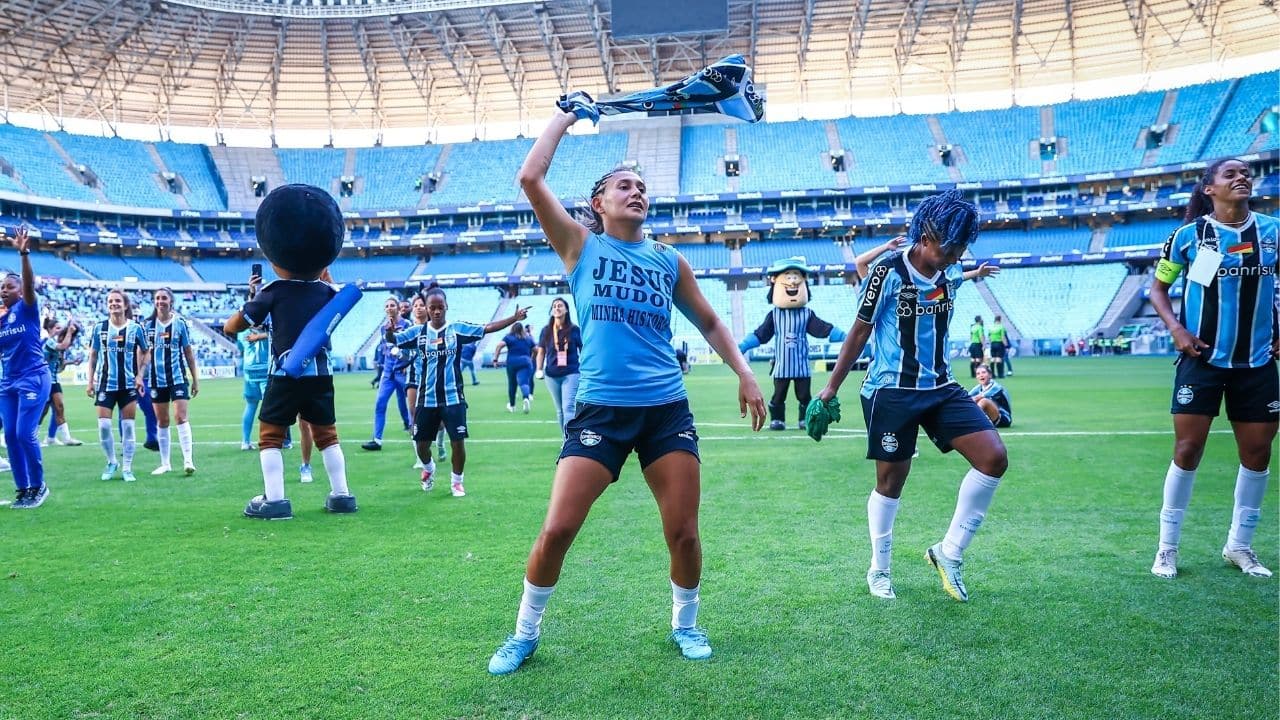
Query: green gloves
column 820, row 415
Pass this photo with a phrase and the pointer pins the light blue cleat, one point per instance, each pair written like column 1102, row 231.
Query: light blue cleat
column 950, row 572
column 511, row 655
column 128, row 476
column 109, row 471
column 693, row 643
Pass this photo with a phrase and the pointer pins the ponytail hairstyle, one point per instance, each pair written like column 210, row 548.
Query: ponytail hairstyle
column 517, row 329
column 589, row 217
column 1201, row 204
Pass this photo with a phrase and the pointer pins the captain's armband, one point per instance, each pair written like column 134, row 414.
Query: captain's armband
column 1167, row 271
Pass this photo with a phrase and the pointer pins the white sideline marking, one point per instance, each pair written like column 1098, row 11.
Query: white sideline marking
column 764, row 435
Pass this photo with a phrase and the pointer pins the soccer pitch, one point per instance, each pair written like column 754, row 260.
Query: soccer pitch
column 157, row 599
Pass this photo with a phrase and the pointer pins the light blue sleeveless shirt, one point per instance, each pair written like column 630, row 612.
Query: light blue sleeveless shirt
column 623, row 293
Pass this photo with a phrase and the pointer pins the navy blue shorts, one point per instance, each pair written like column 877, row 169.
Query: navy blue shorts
column 608, row 434
column 55, row 388
column 165, row 395
column 111, row 399
column 426, row 422
column 1253, row 394
column 894, row 417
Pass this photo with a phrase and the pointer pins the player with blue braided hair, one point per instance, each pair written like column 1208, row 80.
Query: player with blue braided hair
column 904, row 310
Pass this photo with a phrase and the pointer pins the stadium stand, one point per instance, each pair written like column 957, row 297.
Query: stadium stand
column 482, row 172
column 1103, row 134
column 387, row 176
column 701, row 151
column 314, row 166
column 471, row 264
column 194, row 166
column 1140, row 234
column 581, row 160
column 383, row 267
column 126, row 173
column 873, row 159
column 157, row 269
column 717, row 294
column 705, row 255
column 815, row 252
column 1041, row 241
column 1192, row 116
column 232, row 271
column 41, row 168
column 1253, row 95
column 544, row 262
column 1057, row 302
column 994, row 155
column 43, row 263
column 784, row 156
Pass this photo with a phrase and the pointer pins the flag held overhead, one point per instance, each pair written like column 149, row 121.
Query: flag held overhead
column 725, row 86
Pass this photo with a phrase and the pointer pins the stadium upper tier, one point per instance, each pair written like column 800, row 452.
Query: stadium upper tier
column 1197, row 122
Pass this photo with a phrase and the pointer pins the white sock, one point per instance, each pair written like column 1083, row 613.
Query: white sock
column 1251, row 487
column 430, row 467
column 107, row 439
column 126, row 439
column 64, row 432
column 335, row 464
column 881, row 511
column 162, row 436
column 684, row 606
column 272, row 461
column 184, row 442
column 976, row 492
column 1177, row 496
column 532, row 604
column 455, row 478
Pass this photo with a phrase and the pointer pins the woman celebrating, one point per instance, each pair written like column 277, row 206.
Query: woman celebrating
column 117, row 348
column 55, row 356
column 440, row 399
column 24, row 389
column 172, row 359
column 1228, row 343
column 519, row 345
column 631, row 394
column 557, row 359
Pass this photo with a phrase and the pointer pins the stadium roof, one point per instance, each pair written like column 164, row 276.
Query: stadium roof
column 353, row 64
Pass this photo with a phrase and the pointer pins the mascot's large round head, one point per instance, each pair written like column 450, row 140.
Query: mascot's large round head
column 789, row 283
column 300, row 230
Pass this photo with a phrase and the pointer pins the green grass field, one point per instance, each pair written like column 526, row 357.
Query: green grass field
column 157, row 599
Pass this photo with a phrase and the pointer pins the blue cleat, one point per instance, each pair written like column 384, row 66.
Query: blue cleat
column 949, row 571
column 693, row 643
column 109, row 471
column 511, row 655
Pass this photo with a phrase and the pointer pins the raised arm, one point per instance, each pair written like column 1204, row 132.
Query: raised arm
column 565, row 234
column 22, row 242
column 985, row 270
column 520, row 314
column 690, row 301
column 863, row 261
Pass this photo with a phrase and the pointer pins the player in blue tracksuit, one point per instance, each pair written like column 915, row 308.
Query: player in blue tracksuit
column 392, row 377
column 24, row 389
column 117, row 349
column 1228, row 339
column 519, row 345
column 631, row 394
